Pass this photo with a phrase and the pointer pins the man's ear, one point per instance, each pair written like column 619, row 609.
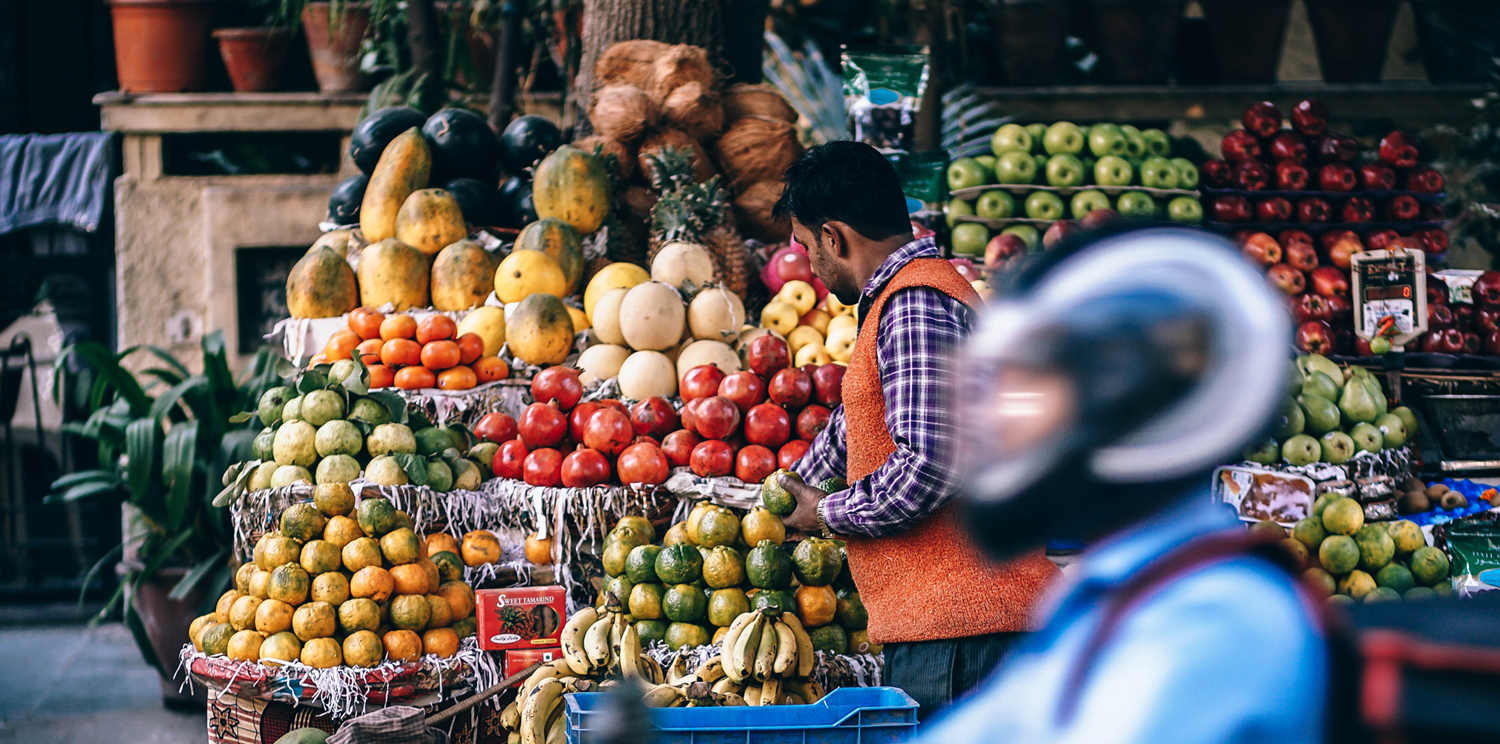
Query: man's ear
column 838, row 237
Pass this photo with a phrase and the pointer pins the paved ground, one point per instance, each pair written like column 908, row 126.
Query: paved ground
column 70, row 683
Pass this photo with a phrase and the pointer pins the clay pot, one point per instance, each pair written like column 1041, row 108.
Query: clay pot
column 1031, row 36
column 1246, row 36
column 333, row 44
column 1352, row 36
column 254, row 56
column 164, row 619
column 1136, row 40
column 161, row 46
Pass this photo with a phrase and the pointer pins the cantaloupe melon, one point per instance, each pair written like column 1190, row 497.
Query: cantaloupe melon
column 556, row 239
column 524, row 273
column 606, row 317
column 716, row 313
column 613, row 276
column 392, row 271
column 651, row 317
column 540, row 331
column 601, row 362
column 704, row 352
column 321, row 285
column 678, row 261
column 647, row 373
column 463, row 275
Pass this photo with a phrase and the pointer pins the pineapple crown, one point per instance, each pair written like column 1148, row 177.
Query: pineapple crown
column 686, row 210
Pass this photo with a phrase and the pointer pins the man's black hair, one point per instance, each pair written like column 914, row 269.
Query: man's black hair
column 850, row 182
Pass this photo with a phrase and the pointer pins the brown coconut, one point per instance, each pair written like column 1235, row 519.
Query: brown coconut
column 624, row 154
column 680, row 65
column 623, row 112
column 694, row 109
column 752, row 212
column 703, row 167
column 632, row 62
column 639, row 199
column 757, row 148
column 756, row 100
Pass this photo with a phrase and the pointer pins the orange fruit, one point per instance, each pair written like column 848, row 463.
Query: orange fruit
column 480, row 546
column 403, row 645
column 436, row 328
column 381, row 376
column 538, row 550
column 460, row 598
column 490, row 369
column 317, row 359
column 410, row 578
column 440, row 642
column 437, row 542
column 369, row 351
column 470, row 347
column 363, row 649
column 400, row 352
column 440, row 354
column 372, row 582
column 457, row 378
column 415, row 378
column 398, row 326
column 816, row 605
column 365, row 321
column 341, row 345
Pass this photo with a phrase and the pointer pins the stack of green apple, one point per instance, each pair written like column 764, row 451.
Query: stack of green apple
column 1331, row 415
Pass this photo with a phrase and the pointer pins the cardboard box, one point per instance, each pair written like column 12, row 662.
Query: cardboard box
column 520, row 617
column 520, row 658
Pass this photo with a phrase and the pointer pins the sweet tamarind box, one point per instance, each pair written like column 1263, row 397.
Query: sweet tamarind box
column 518, row 659
column 522, row 617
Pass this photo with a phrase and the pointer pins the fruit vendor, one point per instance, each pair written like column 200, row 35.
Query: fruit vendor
column 1120, row 373
column 944, row 611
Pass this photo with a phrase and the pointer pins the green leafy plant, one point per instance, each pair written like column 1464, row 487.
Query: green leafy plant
column 164, row 438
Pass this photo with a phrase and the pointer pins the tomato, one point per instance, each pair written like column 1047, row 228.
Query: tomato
column 543, row 425
column 366, row 321
column 415, row 378
column 398, row 326
column 509, row 459
column 584, row 467
column 609, row 432
column 381, row 376
column 642, row 463
column 440, row 354
column 436, row 328
column 654, row 417
column 678, row 447
column 754, row 463
column 340, row 345
column 496, row 427
column 490, row 369
column 557, row 383
column 400, row 352
column 542, row 467
column 456, row 378
column 470, row 348
column 712, row 458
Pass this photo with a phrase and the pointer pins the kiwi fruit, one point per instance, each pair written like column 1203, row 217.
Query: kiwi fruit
column 1414, row 502
column 1436, row 491
column 1454, row 500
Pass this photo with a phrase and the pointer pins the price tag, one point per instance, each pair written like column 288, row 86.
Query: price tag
column 1389, row 291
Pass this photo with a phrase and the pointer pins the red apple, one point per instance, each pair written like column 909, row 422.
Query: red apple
column 1434, row 240
column 791, row 387
column 1290, row 281
column 509, row 461
column 1450, row 341
column 1472, row 344
column 1343, row 339
column 1215, row 173
column 543, row 425
column 701, row 381
column 790, row 453
column 1403, row 208
column 1437, row 290
column 767, row 354
column 754, row 463
column 1337, row 177
column 1315, row 337
column 965, row 269
column 557, row 383
column 1274, row 209
column 768, row 424
column 712, row 459
column 543, row 467
column 1230, row 209
column 1362, row 348
column 1310, row 117
column 1463, row 317
column 1492, row 343
column 583, row 468
column 654, row 417
column 828, row 385
column 642, row 463
column 1314, row 209
column 678, row 447
column 1288, row 146
column 1311, row 307
column 1375, row 175
column 1058, row 232
column 1333, row 236
column 1099, row 218
column 1302, row 256
column 1241, row 235
column 1486, row 320
column 1329, row 281
column 1380, row 239
column 496, row 427
column 1486, row 290
column 1251, row 175
column 1439, row 317
column 919, row 230
column 1340, row 307
column 1293, row 235
column 1261, row 249
column 1423, row 179
column 1342, row 253
column 1399, row 149
column 1262, row 118
column 792, row 266
column 812, row 420
column 1291, row 176
column 1335, row 147
column 716, row 417
column 1433, row 212
column 1004, row 248
column 743, row 389
column 1239, row 146
column 579, row 416
column 1357, row 209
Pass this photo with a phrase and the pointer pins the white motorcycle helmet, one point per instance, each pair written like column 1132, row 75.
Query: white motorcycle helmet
column 1110, row 379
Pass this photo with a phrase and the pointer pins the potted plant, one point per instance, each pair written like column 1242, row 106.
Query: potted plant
column 254, row 55
column 335, row 34
column 163, row 447
column 161, row 46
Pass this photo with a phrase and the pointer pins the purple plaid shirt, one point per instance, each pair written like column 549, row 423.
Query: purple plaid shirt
column 918, row 332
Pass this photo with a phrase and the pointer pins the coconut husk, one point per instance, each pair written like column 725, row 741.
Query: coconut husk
column 694, row 109
column 632, row 62
column 757, row 148
column 752, row 212
column 745, row 99
column 703, row 166
column 680, row 65
column 623, row 112
column 639, row 199
column 624, row 154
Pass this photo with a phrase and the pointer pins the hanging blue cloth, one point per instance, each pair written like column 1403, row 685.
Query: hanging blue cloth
column 55, row 179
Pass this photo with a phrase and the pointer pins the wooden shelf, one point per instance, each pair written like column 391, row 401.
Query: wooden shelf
column 159, row 113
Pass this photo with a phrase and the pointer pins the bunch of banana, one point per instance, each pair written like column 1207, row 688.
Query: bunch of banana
column 536, row 715
column 604, row 643
column 767, row 644
column 690, row 693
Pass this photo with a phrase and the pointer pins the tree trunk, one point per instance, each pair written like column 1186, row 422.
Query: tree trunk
column 703, row 23
column 503, row 87
column 426, row 41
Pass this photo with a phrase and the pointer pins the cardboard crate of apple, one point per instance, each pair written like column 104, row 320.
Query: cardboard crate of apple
column 1333, row 414
column 1310, row 175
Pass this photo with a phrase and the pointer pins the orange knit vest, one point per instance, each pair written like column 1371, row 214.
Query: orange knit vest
column 929, row 582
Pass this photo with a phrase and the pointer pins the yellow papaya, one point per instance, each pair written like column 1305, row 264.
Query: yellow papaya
column 571, row 185
column 403, row 168
column 321, row 285
column 463, row 275
column 430, row 220
column 338, row 240
column 558, row 240
column 540, row 330
column 392, row 271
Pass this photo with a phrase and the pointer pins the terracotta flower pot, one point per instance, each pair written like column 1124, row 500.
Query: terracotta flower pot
column 333, row 44
column 1246, row 36
column 254, row 56
column 1352, row 36
column 161, row 46
column 166, row 621
column 1031, row 36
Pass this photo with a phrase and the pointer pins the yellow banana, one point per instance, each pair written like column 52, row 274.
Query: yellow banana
column 770, row 692
column 617, row 632
column 805, row 655
column 687, row 681
column 538, row 710
column 752, row 695
column 678, row 670
column 596, row 642
column 662, row 696
column 730, row 699
column 550, row 670
column 572, row 639
column 765, row 655
column 608, row 684
column 807, row 689
column 513, row 737
column 630, row 653
column 727, row 685
column 745, row 646
column 651, row 671
column 712, row 670
column 786, row 650
column 732, row 635
column 557, row 727
column 510, row 718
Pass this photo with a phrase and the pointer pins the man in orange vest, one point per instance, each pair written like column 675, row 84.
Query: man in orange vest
column 945, row 612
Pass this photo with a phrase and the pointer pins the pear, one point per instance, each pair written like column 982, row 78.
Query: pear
column 1266, row 454
column 1408, row 418
column 1320, row 363
column 1392, row 430
column 1367, row 438
column 1292, row 420
column 1321, row 385
column 1337, row 446
column 1301, row 450
column 1376, row 393
column 1357, row 405
column 1321, row 413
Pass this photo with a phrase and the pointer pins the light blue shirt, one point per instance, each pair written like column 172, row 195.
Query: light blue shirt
column 1227, row 654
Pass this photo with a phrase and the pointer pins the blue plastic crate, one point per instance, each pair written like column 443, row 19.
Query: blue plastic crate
column 848, row 715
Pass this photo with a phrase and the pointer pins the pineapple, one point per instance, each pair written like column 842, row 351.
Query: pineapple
column 696, row 213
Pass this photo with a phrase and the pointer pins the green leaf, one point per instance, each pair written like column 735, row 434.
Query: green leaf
column 179, row 459
column 111, row 375
column 83, row 491
column 394, row 403
column 199, row 572
column 449, row 455
column 171, row 361
column 164, row 404
column 142, row 439
column 238, row 487
column 312, row 380
column 415, row 467
column 82, row 476
column 164, row 375
column 241, row 417
column 88, row 578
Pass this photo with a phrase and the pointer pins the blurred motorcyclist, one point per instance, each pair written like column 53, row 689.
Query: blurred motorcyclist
column 1103, row 388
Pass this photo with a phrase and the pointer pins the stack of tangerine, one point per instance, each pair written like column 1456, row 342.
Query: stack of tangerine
column 410, row 355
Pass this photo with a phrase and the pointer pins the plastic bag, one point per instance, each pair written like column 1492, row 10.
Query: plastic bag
column 1474, row 550
column 883, row 90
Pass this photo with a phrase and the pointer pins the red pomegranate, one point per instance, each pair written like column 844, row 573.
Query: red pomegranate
column 768, row 424
column 654, row 417
column 580, row 416
column 791, row 387
column 584, row 467
column 712, row 458
column 791, row 452
column 496, row 427
column 678, row 447
column 543, row 467
column 509, row 459
column 557, row 383
column 744, row 390
column 715, row 417
column 754, row 463
column 700, row 382
column 543, row 425
column 812, row 420
column 609, row 432
column 642, row 463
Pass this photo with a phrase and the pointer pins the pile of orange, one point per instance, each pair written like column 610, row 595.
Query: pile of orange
column 413, row 355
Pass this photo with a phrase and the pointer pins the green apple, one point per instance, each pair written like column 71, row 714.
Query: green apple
column 1010, row 138
column 957, row 208
column 1063, row 138
column 988, row 161
column 1187, row 173
column 1087, row 201
column 1088, row 167
column 1041, row 163
column 1158, row 173
column 966, row 173
column 1185, row 209
column 995, row 204
column 1044, row 205
column 1301, row 450
column 1337, row 447
column 1157, row 142
column 1027, row 233
column 1136, row 204
column 1037, row 132
column 1064, row 170
column 1135, row 143
column 1111, row 170
column 969, row 238
column 1106, row 139
column 1266, row 454
column 1015, row 166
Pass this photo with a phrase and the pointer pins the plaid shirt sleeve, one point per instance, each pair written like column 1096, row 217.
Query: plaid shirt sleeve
column 825, row 458
column 918, row 333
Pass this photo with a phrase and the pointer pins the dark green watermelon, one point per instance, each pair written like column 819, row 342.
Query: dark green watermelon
column 463, row 145
column 343, row 205
column 371, row 135
column 526, row 141
column 516, row 205
column 479, row 201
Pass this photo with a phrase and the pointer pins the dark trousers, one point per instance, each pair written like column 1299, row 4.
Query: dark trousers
column 938, row 673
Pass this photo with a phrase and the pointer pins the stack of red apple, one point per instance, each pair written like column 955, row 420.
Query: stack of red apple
column 1463, row 328
column 1312, row 176
column 748, row 424
column 1315, row 282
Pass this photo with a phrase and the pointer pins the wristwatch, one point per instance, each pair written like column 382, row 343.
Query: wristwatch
column 823, row 521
